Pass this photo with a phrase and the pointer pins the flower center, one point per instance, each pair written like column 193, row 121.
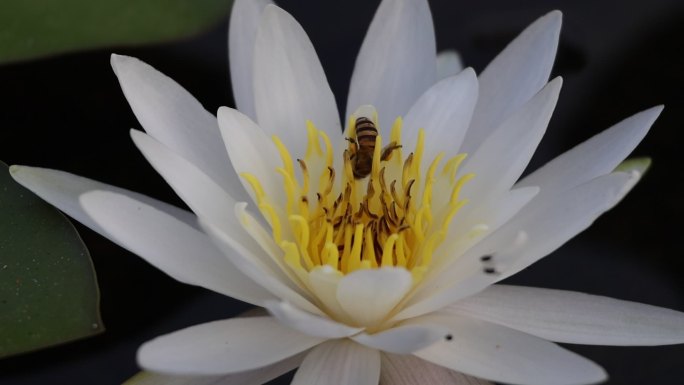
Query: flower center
column 377, row 210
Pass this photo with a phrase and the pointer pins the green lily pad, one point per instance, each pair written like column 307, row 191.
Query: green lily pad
column 641, row 164
column 35, row 28
column 48, row 288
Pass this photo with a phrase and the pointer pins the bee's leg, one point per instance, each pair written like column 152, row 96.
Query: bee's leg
column 386, row 153
column 353, row 146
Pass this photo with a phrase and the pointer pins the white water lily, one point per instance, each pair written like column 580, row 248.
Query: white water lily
column 389, row 277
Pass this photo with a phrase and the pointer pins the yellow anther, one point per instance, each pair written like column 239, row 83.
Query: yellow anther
column 274, row 221
column 395, row 136
column 289, row 187
column 452, row 165
column 430, row 179
column 313, row 145
column 291, row 257
column 401, row 255
column 375, row 168
column 369, row 248
column 255, row 185
column 305, row 177
column 284, row 155
column 303, row 239
column 418, row 154
column 328, row 149
column 459, row 184
column 355, row 255
column 387, row 249
column 331, row 255
column 365, row 265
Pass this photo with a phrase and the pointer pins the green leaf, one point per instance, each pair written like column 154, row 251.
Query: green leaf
column 35, row 28
column 48, row 288
column 641, row 164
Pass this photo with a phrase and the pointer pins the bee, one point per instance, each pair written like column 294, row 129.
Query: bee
column 362, row 147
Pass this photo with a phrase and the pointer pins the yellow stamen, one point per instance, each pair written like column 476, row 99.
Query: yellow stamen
column 393, row 218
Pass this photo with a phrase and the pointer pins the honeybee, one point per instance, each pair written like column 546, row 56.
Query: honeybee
column 362, row 147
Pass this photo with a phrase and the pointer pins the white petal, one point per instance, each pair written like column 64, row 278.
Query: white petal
column 408, row 370
column 308, row 323
column 163, row 235
column 339, row 362
column 503, row 156
column 449, row 63
column 252, row 151
column 242, row 30
column 570, row 317
column 444, row 111
column 596, row 156
column 289, row 84
column 223, row 347
column 546, row 226
column 171, row 245
column 403, row 339
column 250, row 377
column 172, row 116
column 501, row 354
column 252, row 266
column 516, row 74
column 367, row 296
column 397, row 62
column 198, row 191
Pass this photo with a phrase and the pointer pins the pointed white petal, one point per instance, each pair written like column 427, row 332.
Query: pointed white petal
column 253, row 267
column 537, row 230
column 249, row 377
column 516, row 74
column 223, row 347
column 251, row 150
column 181, row 251
column 308, row 323
column 444, row 111
column 198, row 191
column 289, row 84
column 501, row 354
column 449, row 63
column 172, row 116
column 242, row 30
column 397, row 62
column 570, row 317
column 503, row 156
column 408, row 370
column 367, row 296
column 163, row 235
column 403, row 339
column 339, row 362
column 596, row 156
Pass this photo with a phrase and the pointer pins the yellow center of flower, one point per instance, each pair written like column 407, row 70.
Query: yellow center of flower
column 336, row 218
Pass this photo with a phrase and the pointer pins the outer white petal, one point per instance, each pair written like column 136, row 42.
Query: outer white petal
column 449, row 63
column 223, row 347
column 596, row 156
column 408, row 370
column 403, row 339
column 516, row 74
column 163, row 235
column 503, row 156
column 501, row 354
column 308, row 323
column 172, row 116
column 444, row 111
column 198, row 191
column 544, row 227
column 397, row 62
column 339, row 362
column 242, row 30
column 565, row 316
column 251, row 150
column 181, row 251
column 253, row 267
column 289, row 84
column 250, row 377
column 368, row 296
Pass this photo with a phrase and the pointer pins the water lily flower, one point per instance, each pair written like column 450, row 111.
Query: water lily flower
column 376, row 250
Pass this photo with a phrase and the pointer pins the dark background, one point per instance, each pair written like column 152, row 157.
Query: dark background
column 617, row 57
